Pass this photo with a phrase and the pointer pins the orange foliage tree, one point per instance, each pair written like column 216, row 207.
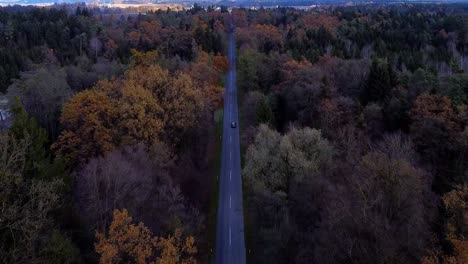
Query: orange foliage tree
column 269, row 37
column 437, row 108
column 176, row 250
column 456, row 209
column 127, row 242
column 315, row 21
column 434, row 127
column 207, row 72
column 148, row 105
column 456, row 205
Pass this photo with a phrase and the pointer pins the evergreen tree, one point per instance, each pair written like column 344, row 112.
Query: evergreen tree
column 380, row 82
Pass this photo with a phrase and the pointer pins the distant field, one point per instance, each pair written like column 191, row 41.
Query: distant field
column 145, row 7
column 138, row 7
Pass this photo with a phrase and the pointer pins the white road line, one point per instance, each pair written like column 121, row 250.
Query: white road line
column 230, row 138
column 229, row 235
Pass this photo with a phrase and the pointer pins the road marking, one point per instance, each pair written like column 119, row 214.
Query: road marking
column 229, row 235
column 230, row 201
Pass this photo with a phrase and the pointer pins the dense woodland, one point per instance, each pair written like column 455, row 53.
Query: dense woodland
column 353, row 128
column 354, row 125
column 111, row 156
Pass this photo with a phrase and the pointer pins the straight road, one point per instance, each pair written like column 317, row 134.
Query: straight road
column 230, row 246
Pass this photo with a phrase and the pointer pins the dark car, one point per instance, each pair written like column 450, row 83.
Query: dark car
column 233, row 124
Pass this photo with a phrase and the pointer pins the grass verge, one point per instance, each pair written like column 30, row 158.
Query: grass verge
column 216, row 170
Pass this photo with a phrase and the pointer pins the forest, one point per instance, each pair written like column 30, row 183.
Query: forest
column 353, row 125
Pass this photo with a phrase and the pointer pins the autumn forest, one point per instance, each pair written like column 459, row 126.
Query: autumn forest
column 353, row 124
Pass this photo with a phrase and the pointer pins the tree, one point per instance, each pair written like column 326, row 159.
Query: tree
column 421, row 82
column 148, row 106
column 373, row 120
column 127, row 242
column 335, row 113
column 60, row 249
column 175, row 249
column 381, row 217
column 207, row 72
column 180, row 100
column 380, row 82
column 132, row 178
column 39, row 163
column 439, row 136
column 276, row 166
column 221, row 63
column 455, row 203
column 268, row 38
column 88, row 126
column 26, row 205
column 247, row 76
column 433, row 120
column 456, row 88
column 42, row 93
column 95, row 45
column 302, row 96
column 264, row 112
column 454, row 230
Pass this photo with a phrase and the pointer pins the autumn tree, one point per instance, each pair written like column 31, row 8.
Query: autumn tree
column 125, row 241
column 335, row 113
column 455, row 203
column 87, row 120
column 268, row 37
column 176, row 250
column 128, row 242
column 302, row 95
column 207, row 72
column 147, row 106
column 315, row 21
column 438, row 136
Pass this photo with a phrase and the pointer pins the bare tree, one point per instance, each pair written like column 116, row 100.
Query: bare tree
column 130, row 178
column 25, row 206
column 95, row 44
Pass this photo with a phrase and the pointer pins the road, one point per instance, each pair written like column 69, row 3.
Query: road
column 230, row 246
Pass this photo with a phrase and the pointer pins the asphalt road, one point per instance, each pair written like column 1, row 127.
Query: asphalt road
column 230, row 246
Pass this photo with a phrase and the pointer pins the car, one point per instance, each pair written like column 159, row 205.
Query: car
column 233, row 124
